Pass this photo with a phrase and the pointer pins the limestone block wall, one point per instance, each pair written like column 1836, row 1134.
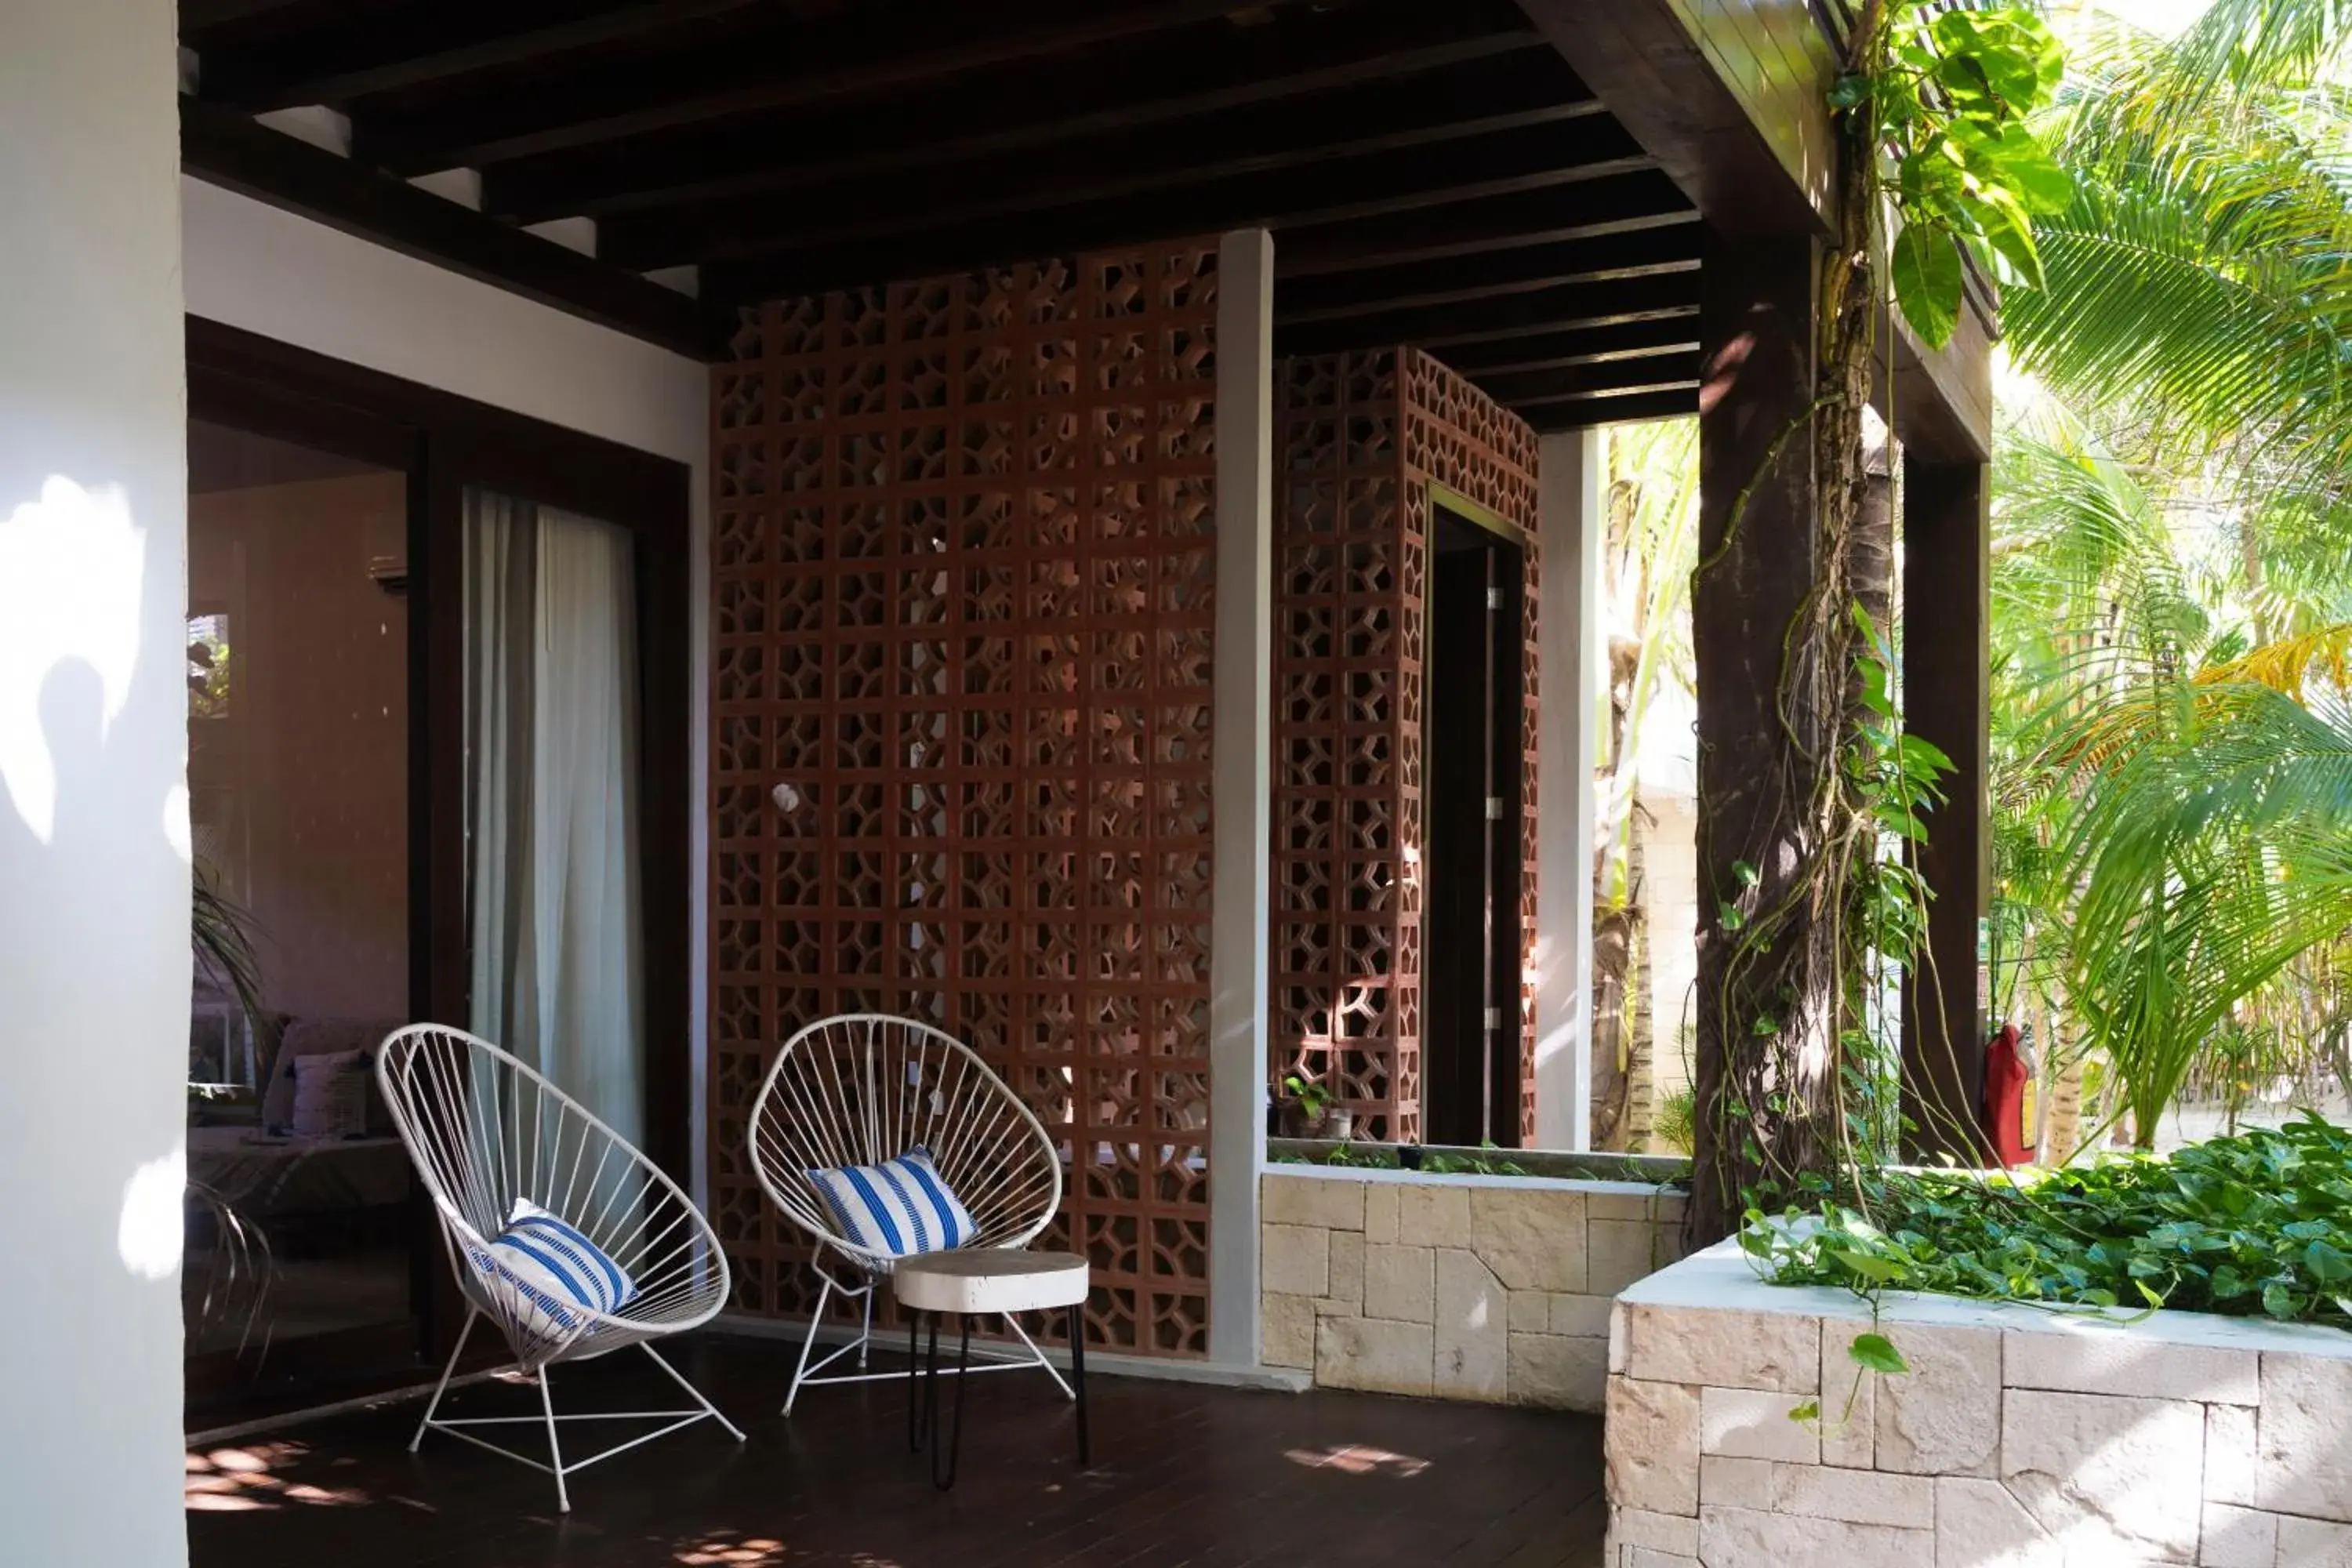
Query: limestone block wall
column 1490, row 1289
column 2020, row 1439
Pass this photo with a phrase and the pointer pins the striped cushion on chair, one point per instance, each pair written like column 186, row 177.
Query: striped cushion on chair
column 549, row 1271
column 897, row 1208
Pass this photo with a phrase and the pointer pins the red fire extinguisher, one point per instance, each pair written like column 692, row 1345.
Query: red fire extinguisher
column 2008, row 1076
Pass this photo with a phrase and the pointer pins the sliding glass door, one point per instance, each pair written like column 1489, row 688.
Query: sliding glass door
column 437, row 687
column 299, row 1266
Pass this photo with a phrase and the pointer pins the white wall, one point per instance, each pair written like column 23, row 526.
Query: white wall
column 1568, row 503
column 1242, row 787
column 253, row 266
column 93, row 804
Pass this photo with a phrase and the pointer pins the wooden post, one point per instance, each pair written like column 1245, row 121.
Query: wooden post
column 1756, row 335
column 1947, row 612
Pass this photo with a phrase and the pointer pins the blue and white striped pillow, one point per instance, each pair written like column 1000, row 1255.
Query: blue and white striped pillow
column 547, row 1269
column 898, row 1208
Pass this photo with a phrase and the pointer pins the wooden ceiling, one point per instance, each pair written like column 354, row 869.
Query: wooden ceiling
column 1432, row 172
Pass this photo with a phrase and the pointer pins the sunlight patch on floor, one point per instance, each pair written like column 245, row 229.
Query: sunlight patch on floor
column 1357, row 1459
column 244, row 1479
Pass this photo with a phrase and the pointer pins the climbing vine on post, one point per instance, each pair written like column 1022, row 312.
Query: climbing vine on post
column 1934, row 112
column 1950, row 99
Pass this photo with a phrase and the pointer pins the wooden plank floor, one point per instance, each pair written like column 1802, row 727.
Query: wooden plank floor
column 1184, row 1474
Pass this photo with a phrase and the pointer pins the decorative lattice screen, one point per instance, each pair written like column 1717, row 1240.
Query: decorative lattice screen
column 1359, row 439
column 962, row 564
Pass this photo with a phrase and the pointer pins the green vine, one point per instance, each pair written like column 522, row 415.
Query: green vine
column 1822, row 906
column 1951, row 96
column 1819, row 906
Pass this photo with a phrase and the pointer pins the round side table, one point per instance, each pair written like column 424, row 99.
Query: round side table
column 977, row 1283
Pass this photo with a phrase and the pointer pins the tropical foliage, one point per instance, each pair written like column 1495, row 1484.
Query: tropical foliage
column 2173, row 608
column 2259, row 1225
column 1651, row 512
column 1951, row 101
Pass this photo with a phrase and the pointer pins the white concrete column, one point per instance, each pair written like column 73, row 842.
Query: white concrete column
column 94, row 966
column 1241, row 788
column 1570, row 475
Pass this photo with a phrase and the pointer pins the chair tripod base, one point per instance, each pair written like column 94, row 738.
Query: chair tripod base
column 812, row 1373
column 555, row 1464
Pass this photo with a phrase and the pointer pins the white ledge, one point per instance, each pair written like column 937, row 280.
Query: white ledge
column 1722, row 1278
column 1391, row 1176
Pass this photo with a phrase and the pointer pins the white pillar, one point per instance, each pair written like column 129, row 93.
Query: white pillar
column 1568, row 476
column 1241, row 788
column 93, row 802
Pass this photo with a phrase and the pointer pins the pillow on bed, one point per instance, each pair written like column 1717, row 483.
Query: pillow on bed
column 297, row 1037
column 898, row 1207
column 547, row 1271
column 331, row 1095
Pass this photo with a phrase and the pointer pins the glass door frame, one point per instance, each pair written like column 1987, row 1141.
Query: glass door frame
column 445, row 443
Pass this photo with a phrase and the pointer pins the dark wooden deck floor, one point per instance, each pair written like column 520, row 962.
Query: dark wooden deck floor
column 1184, row 1474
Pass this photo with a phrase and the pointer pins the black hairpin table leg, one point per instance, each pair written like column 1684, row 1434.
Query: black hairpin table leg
column 1078, row 1376
column 914, row 1425
column 955, row 1436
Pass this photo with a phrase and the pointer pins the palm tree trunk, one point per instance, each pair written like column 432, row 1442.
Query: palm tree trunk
column 2061, row 1078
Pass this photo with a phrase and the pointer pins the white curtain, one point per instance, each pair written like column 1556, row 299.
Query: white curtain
column 552, row 807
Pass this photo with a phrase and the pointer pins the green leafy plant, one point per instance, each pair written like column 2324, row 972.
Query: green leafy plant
column 2258, row 1225
column 1673, row 1125
column 1950, row 104
column 1310, row 1098
column 219, row 934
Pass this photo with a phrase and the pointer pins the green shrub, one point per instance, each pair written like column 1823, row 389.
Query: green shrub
column 2258, row 1225
column 1677, row 1120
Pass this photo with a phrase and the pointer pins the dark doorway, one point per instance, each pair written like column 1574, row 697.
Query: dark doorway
column 1470, row 730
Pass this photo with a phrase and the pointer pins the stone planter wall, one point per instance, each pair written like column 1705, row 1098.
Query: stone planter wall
column 2021, row 1438
column 1492, row 1288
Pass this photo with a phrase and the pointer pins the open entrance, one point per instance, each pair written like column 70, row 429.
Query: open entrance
column 1472, row 749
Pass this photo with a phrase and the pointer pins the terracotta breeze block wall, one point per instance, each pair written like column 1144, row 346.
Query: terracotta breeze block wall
column 1360, row 439
column 962, row 568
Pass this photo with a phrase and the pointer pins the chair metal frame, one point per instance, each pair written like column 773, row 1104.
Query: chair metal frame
column 838, row 1094
column 484, row 1128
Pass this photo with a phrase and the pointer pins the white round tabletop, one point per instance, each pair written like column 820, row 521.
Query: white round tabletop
column 989, row 1279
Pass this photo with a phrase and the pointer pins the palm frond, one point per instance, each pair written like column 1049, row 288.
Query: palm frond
column 221, row 933
column 2248, row 44
column 2289, row 665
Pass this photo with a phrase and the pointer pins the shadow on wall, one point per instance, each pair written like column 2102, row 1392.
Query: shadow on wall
column 94, row 968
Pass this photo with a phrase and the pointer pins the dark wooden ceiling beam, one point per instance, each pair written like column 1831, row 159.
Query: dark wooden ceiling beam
column 1400, row 183
column 1627, row 203
column 1602, row 399
column 336, row 75
column 1664, row 333
column 1149, row 82
column 223, row 23
column 1367, row 291
column 1513, row 129
column 226, row 148
column 1626, row 408
column 1573, row 307
column 1666, row 89
column 866, row 51
column 1611, row 378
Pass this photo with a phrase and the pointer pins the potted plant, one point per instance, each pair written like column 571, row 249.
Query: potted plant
column 1310, row 1110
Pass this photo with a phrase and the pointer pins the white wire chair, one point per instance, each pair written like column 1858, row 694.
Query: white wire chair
column 485, row 1130
column 863, row 1088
